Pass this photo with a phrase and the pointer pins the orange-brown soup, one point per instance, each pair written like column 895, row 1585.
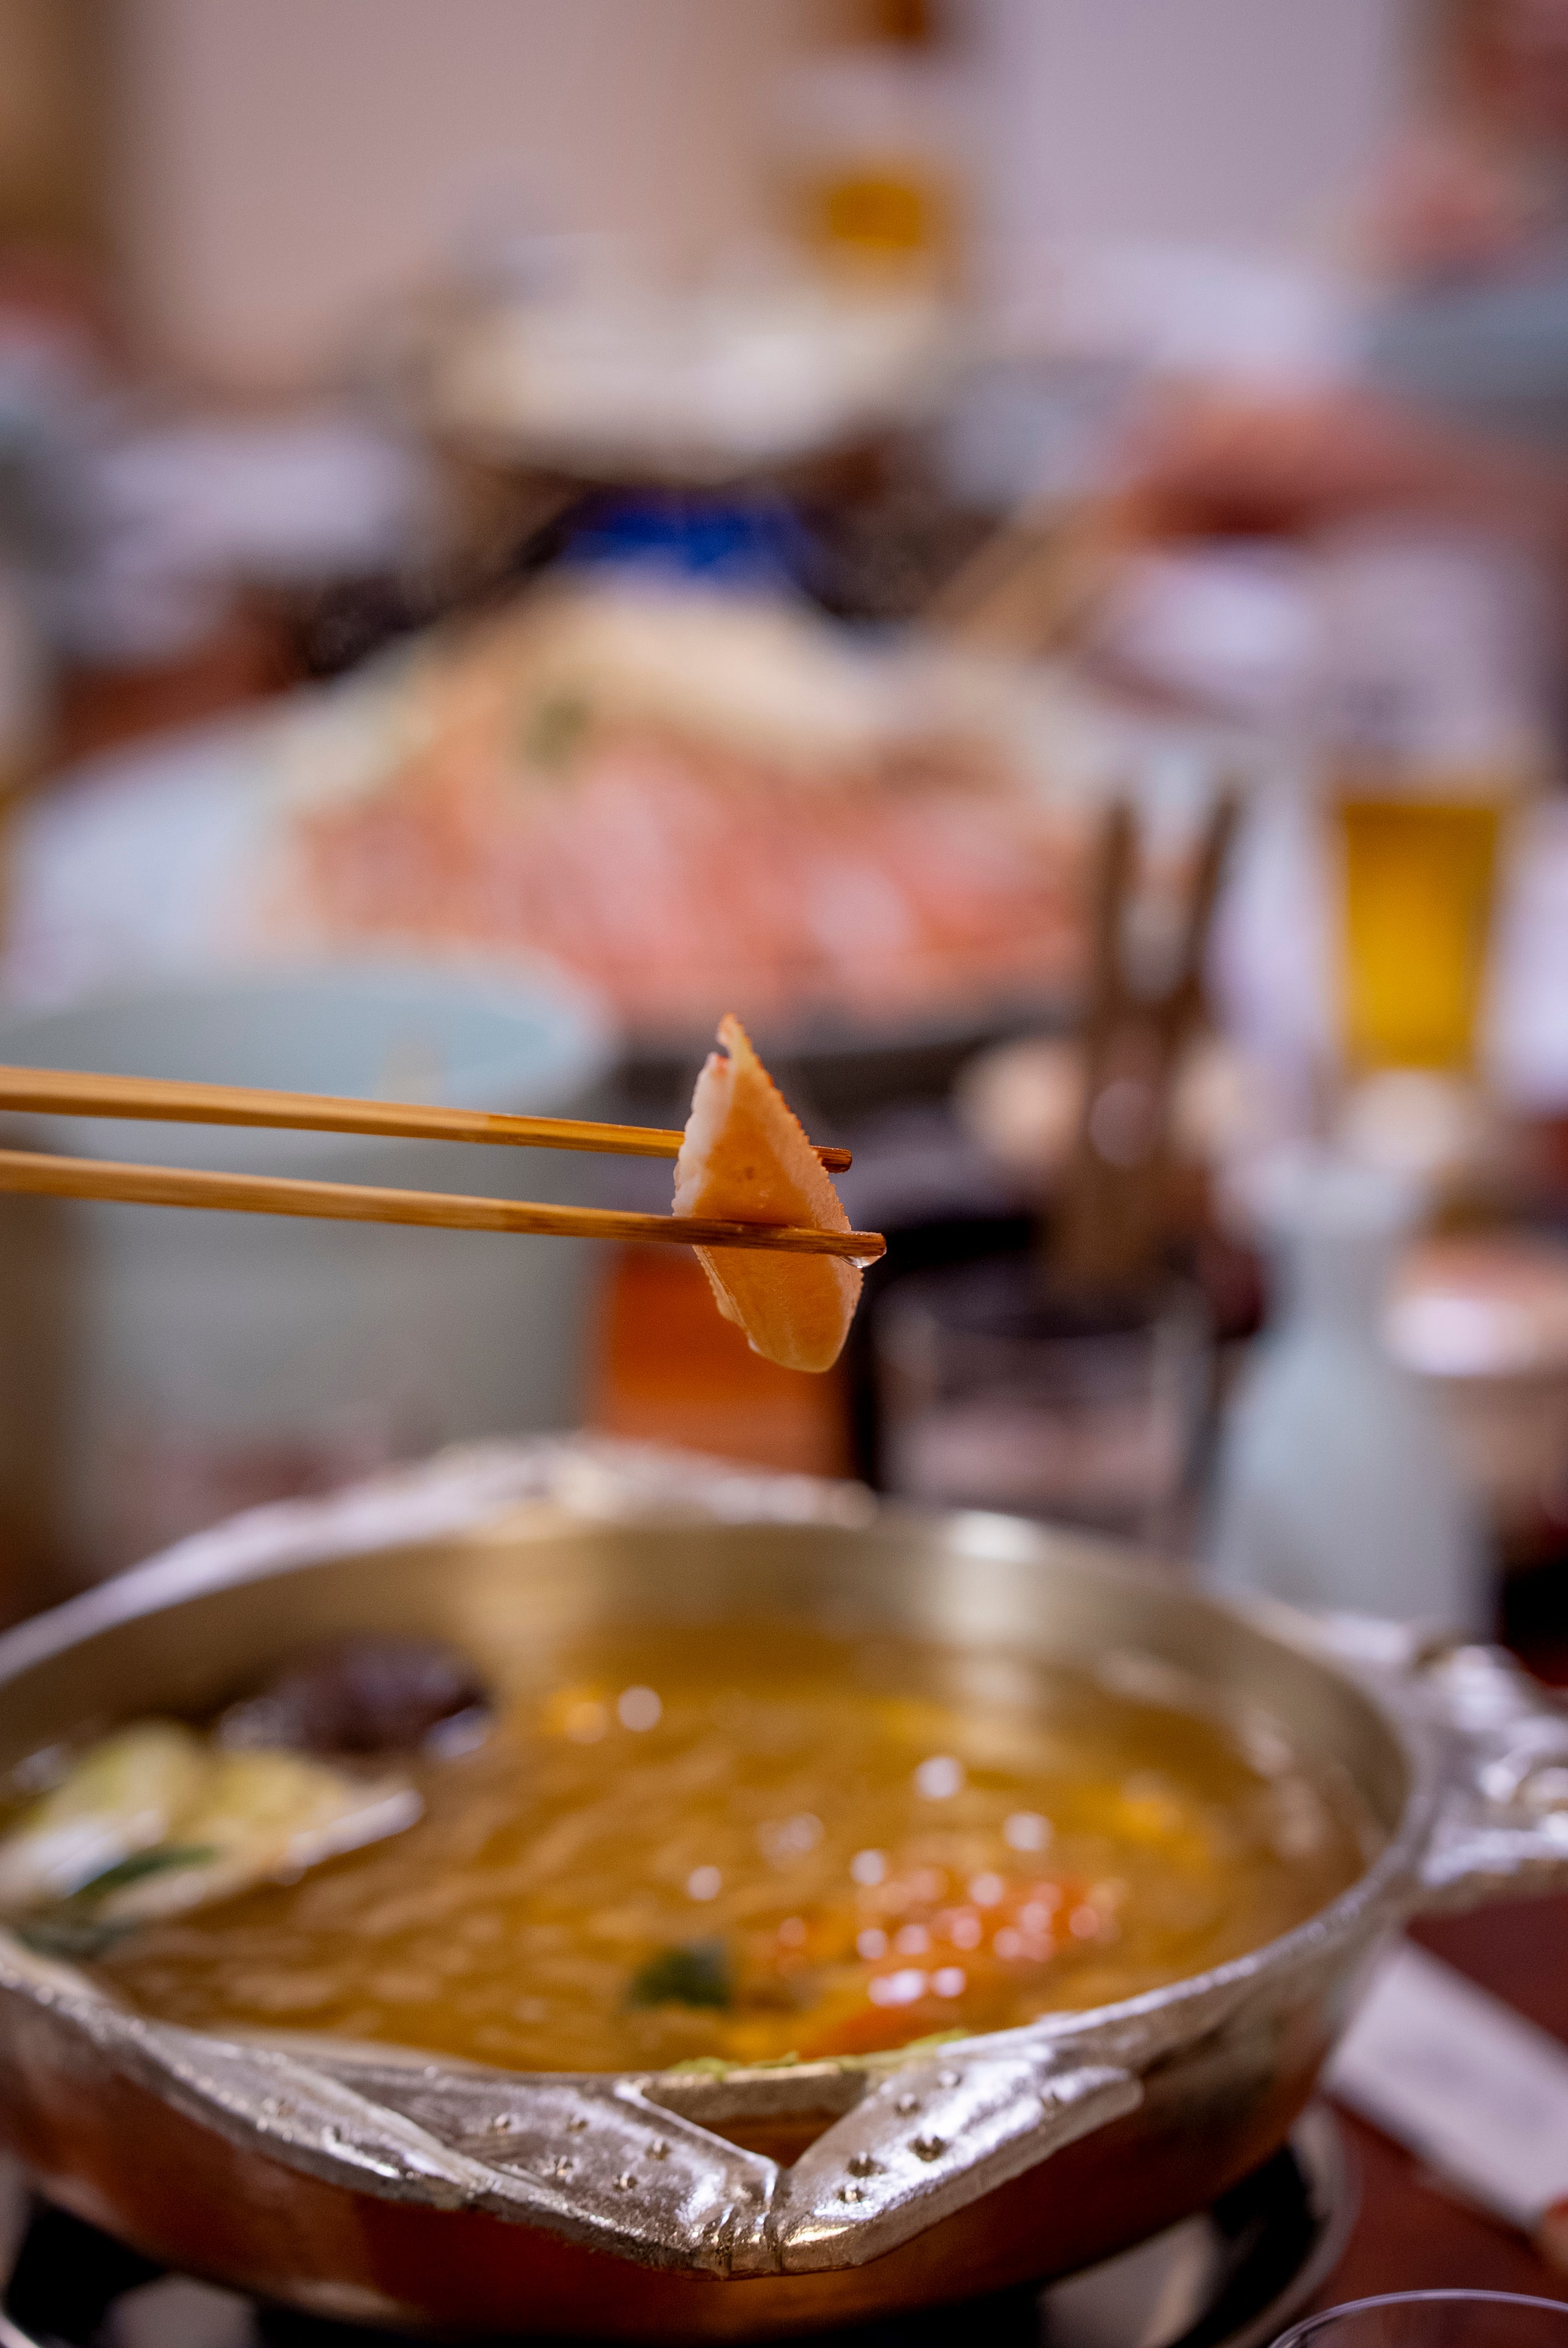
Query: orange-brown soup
column 753, row 1845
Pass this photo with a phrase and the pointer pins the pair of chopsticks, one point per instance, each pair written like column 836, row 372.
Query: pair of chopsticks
column 58, row 1092
column 1110, row 1230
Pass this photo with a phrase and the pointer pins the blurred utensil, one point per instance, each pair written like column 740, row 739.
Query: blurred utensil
column 1107, row 1232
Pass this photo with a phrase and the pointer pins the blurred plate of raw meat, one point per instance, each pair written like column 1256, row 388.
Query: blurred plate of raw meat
column 699, row 802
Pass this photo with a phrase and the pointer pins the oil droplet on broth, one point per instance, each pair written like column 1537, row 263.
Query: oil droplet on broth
column 639, row 1708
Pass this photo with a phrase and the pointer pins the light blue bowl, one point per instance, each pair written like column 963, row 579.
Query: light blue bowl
column 159, row 1368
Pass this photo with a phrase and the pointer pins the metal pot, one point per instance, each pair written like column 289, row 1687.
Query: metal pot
column 365, row 2183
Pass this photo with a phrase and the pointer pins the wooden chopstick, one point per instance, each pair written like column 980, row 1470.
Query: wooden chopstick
column 1107, row 1232
column 352, row 1202
column 69, row 1092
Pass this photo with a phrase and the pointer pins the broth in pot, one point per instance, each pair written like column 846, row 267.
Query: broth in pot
column 759, row 1844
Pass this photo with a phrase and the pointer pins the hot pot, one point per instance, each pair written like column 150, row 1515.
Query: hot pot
column 365, row 2183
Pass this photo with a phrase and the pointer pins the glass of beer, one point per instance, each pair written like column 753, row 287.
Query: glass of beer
column 1418, row 858
column 1433, row 710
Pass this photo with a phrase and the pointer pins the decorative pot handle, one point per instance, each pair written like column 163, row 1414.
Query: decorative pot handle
column 933, row 2137
column 612, row 2162
column 1499, row 1827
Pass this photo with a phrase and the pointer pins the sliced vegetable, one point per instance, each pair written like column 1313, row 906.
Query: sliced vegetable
column 267, row 1814
column 156, row 1820
column 697, row 1972
column 76, row 1940
column 145, row 1863
column 126, row 1796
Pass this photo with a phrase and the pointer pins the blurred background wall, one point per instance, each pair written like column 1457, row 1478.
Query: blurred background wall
column 1233, row 119
column 282, row 167
column 268, row 175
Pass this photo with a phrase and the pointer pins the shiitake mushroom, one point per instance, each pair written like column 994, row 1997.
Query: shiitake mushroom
column 363, row 1694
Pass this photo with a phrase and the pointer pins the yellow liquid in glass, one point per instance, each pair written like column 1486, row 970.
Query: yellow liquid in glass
column 1419, row 887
